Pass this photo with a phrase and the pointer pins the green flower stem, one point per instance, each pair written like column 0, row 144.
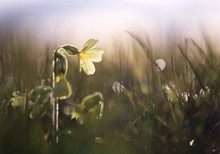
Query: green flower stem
column 56, row 119
column 61, row 87
column 55, row 105
column 59, row 68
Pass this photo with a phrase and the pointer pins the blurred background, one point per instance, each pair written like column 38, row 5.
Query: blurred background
column 75, row 21
column 146, row 110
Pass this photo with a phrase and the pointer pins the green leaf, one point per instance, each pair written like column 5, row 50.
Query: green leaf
column 63, row 89
column 40, row 94
column 37, row 111
column 39, row 99
column 74, row 110
column 90, row 104
column 71, row 50
column 18, row 100
column 91, row 101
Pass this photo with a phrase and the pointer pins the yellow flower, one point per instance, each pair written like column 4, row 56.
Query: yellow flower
column 88, row 55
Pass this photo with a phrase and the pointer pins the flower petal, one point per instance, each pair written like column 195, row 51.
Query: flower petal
column 86, row 64
column 94, row 55
column 90, row 44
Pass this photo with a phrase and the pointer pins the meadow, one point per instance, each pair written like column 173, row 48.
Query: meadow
column 148, row 107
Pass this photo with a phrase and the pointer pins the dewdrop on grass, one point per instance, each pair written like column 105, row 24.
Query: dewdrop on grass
column 118, row 87
column 185, row 96
column 192, row 142
column 161, row 64
column 170, row 91
column 202, row 92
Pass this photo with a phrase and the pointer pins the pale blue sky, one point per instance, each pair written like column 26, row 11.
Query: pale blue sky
column 111, row 18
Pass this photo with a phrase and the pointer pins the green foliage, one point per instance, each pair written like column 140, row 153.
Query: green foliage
column 174, row 110
column 39, row 101
column 36, row 103
column 63, row 88
column 18, row 100
column 91, row 104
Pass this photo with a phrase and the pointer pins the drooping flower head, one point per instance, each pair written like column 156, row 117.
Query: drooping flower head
column 89, row 54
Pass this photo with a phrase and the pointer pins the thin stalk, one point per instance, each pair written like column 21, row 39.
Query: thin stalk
column 26, row 102
column 149, row 54
column 186, row 63
column 56, row 120
column 101, row 103
column 202, row 53
column 193, row 68
column 55, row 105
column 173, row 113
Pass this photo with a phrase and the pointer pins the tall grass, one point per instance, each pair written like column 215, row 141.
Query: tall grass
column 151, row 115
